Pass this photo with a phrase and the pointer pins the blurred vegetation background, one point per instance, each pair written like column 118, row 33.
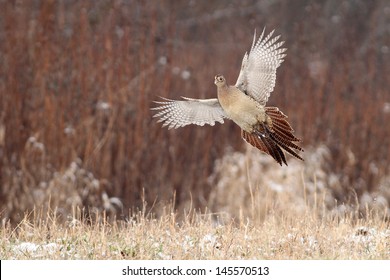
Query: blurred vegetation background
column 77, row 80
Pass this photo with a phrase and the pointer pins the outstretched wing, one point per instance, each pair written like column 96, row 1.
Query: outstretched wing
column 258, row 70
column 178, row 113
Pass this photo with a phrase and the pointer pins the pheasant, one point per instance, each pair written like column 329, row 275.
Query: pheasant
column 265, row 128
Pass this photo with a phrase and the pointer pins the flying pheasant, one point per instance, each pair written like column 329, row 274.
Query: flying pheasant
column 265, row 128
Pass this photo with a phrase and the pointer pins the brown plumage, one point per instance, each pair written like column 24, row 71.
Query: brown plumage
column 272, row 138
column 265, row 128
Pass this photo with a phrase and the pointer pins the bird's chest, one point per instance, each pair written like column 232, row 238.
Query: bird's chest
column 243, row 110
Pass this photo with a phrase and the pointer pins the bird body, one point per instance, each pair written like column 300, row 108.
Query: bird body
column 265, row 128
column 239, row 107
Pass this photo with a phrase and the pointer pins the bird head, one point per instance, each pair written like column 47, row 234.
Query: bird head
column 219, row 80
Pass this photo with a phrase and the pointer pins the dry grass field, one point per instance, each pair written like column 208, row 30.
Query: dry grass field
column 309, row 234
column 87, row 173
column 265, row 218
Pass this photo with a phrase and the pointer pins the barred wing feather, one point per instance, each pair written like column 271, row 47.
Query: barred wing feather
column 258, row 70
column 179, row 113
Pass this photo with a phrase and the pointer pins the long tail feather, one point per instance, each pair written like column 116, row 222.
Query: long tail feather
column 272, row 138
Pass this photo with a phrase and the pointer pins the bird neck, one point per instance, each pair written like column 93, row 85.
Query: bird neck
column 222, row 89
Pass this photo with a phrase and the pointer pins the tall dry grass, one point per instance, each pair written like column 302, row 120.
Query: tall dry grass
column 77, row 79
column 286, row 233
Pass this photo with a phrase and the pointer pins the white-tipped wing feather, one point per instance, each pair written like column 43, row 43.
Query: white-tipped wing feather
column 178, row 113
column 258, row 70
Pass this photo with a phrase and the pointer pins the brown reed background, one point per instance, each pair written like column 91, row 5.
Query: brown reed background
column 77, row 79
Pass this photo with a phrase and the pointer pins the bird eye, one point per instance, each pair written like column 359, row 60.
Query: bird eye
column 220, row 79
